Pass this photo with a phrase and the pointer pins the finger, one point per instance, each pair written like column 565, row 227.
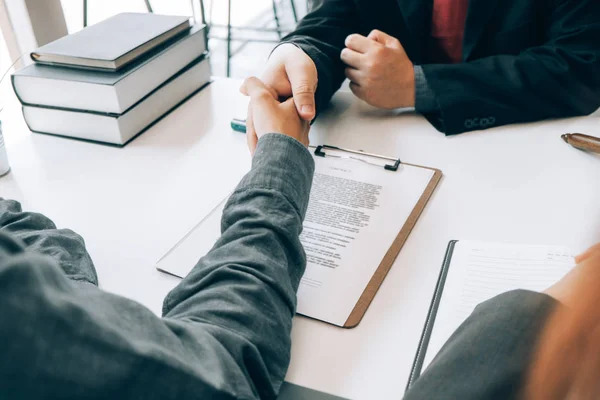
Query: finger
column 588, row 253
column 259, row 93
column 357, row 90
column 244, row 90
column 354, row 75
column 303, row 79
column 272, row 91
column 384, row 39
column 289, row 108
column 352, row 59
column 250, row 131
column 359, row 43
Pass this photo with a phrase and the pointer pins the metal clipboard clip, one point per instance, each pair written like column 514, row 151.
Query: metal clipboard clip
column 320, row 152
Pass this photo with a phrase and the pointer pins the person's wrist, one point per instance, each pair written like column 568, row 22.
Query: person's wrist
column 282, row 50
column 301, row 137
column 283, row 164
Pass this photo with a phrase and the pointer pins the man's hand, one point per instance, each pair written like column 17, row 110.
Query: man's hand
column 291, row 72
column 267, row 115
column 566, row 364
column 380, row 70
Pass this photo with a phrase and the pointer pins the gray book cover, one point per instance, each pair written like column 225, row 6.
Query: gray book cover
column 101, row 77
column 114, row 42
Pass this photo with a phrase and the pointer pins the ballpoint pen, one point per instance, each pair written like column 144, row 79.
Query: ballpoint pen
column 582, row 142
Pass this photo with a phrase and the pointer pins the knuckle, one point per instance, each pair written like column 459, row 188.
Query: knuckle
column 304, row 87
column 251, row 80
column 263, row 95
column 379, row 51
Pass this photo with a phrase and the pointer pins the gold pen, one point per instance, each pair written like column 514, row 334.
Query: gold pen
column 582, row 142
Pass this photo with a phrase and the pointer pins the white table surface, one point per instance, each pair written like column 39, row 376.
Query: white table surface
column 517, row 184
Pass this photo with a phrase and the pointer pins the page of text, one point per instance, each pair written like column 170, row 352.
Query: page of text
column 356, row 211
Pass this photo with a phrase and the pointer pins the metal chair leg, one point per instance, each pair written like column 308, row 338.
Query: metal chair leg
column 148, row 6
column 293, row 4
column 85, row 12
column 277, row 19
column 204, row 21
column 202, row 12
column 229, row 39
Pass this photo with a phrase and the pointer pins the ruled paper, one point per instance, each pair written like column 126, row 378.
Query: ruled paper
column 480, row 271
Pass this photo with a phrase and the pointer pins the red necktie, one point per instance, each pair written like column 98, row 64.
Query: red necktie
column 448, row 30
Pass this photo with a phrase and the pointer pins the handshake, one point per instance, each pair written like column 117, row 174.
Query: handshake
column 290, row 77
column 379, row 69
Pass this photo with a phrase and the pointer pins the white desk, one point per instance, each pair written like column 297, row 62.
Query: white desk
column 518, row 184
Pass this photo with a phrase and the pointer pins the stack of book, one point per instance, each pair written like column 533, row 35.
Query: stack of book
column 111, row 81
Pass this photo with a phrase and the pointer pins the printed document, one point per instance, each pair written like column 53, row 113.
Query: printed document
column 356, row 210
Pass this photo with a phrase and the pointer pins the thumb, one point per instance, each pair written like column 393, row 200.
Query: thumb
column 384, row 39
column 303, row 79
column 588, row 254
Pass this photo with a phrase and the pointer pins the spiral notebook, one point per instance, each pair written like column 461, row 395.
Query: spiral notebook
column 475, row 271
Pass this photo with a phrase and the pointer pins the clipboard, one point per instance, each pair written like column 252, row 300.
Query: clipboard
column 183, row 256
column 390, row 164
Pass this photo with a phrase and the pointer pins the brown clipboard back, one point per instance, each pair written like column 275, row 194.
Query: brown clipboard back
column 368, row 294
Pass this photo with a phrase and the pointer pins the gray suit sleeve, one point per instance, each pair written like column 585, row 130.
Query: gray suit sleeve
column 246, row 286
column 225, row 333
column 39, row 234
column 488, row 355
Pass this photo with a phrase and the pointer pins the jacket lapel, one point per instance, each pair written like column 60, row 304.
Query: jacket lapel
column 478, row 15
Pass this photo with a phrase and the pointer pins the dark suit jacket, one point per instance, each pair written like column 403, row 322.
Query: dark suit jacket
column 524, row 60
column 489, row 355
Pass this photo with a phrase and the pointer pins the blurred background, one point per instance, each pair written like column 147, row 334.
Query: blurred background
column 28, row 24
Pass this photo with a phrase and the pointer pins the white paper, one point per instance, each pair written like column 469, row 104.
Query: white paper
column 180, row 260
column 355, row 213
column 480, row 271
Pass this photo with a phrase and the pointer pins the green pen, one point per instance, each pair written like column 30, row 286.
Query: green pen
column 238, row 125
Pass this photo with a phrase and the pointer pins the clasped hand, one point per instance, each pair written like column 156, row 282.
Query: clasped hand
column 267, row 115
column 380, row 71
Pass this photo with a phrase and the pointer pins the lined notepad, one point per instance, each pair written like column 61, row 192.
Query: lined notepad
column 479, row 271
